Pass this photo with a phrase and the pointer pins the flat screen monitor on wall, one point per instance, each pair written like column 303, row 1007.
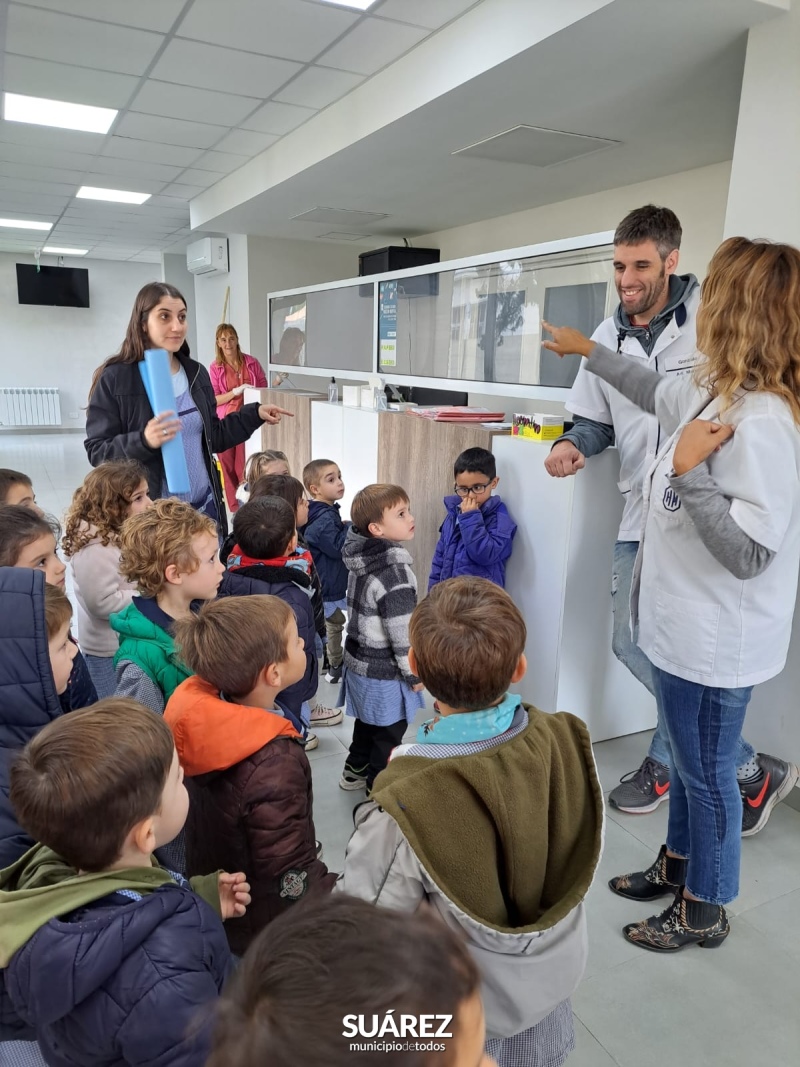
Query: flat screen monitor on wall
column 53, row 286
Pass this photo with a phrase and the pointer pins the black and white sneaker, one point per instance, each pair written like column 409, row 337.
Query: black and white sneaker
column 759, row 797
column 334, row 675
column 353, row 777
column 642, row 790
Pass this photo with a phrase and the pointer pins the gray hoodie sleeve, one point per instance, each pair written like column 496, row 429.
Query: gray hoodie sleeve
column 646, row 388
column 588, row 436
column 710, row 511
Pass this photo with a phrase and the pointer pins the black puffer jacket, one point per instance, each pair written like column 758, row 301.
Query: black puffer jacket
column 119, row 410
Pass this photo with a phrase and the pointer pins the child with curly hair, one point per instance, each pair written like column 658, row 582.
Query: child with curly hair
column 109, row 495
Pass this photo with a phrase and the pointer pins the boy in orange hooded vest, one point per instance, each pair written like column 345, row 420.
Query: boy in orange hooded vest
column 248, row 776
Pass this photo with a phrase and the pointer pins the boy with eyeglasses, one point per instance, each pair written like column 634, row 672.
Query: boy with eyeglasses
column 477, row 534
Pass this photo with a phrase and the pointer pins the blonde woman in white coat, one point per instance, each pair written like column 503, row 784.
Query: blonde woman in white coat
column 715, row 580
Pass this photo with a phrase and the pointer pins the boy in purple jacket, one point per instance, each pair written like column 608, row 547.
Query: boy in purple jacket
column 475, row 538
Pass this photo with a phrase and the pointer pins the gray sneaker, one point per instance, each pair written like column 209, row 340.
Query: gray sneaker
column 642, row 790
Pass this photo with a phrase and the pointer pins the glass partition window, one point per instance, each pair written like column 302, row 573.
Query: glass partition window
column 483, row 323
column 329, row 329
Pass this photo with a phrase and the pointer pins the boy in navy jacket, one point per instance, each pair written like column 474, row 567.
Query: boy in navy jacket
column 266, row 560
column 325, row 533
column 476, row 537
column 106, row 956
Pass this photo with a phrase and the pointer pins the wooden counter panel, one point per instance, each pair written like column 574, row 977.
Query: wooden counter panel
column 418, row 454
column 291, row 435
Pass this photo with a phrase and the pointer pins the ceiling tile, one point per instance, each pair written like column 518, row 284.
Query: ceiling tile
column 230, row 71
column 423, row 12
column 100, row 46
column 245, row 142
column 40, row 156
column 59, row 81
column 150, row 152
column 55, row 140
column 318, row 87
column 168, row 131
column 203, row 178
column 222, row 162
column 146, row 14
column 181, row 191
column 197, row 105
column 133, row 170
column 39, row 174
column 42, row 205
column 372, row 45
column 146, row 257
column 289, row 29
column 22, row 185
column 278, row 118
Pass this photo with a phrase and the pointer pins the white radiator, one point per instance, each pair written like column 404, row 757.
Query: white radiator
column 30, row 407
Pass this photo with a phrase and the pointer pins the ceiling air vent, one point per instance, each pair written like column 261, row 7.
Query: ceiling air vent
column 535, row 146
column 339, row 216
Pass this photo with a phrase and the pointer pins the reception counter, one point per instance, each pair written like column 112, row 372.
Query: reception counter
column 559, row 573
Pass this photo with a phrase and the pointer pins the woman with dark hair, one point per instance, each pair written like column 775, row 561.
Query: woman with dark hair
column 120, row 423
column 231, row 372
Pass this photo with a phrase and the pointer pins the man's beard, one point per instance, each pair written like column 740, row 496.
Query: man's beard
column 650, row 296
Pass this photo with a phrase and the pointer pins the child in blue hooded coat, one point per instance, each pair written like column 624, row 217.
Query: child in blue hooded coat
column 476, row 537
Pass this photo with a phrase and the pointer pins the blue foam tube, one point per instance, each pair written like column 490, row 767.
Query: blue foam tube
column 157, row 379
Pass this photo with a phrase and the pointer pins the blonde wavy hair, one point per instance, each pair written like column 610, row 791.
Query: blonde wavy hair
column 748, row 323
column 159, row 537
column 100, row 505
column 259, row 463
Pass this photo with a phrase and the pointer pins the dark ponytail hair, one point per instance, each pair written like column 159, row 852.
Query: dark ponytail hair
column 133, row 347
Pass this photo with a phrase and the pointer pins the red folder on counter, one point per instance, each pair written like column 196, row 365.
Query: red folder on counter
column 457, row 414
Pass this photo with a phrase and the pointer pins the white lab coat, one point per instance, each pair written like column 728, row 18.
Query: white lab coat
column 695, row 619
column 638, row 436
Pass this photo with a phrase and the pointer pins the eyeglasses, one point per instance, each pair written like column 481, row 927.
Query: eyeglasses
column 465, row 490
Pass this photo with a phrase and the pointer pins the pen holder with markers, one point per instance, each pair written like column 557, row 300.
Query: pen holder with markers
column 157, row 379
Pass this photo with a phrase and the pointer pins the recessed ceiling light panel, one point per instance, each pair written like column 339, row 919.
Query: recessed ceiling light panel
column 41, row 112
column 50, row 251
column 359, row 5
column 118, row 196
column 21, row 224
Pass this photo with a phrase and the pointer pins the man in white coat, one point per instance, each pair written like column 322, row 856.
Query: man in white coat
column 654, row 324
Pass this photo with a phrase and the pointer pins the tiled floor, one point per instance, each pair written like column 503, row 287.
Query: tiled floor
column 735, row 1007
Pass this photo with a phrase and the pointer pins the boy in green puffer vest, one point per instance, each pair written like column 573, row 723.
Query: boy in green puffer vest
column 171, row 552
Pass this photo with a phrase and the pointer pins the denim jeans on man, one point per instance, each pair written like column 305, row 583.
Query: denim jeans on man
column 704, row 725
column 629, row 653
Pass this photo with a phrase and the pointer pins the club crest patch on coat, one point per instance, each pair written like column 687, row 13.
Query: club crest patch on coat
column 294, row 884
column 671, row 499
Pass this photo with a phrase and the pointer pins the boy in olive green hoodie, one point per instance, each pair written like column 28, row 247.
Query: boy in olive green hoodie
column 104, row 955
column 494, row 816
column 171, row 552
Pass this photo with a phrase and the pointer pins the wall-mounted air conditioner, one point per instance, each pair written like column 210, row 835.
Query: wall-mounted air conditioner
column 208, row 256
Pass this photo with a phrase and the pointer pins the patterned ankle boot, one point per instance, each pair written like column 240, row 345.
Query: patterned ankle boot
column 685, row 922
column 660, row 879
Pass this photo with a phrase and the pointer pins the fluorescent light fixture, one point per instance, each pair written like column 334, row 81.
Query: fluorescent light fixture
column 359, row 5
column 40, row 112
column 51, row 251
column 119, row 196
column 21, row 224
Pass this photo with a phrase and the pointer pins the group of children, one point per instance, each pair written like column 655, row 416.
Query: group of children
column 108, row 954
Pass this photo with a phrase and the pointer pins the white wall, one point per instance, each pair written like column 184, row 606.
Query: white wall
column 698, row 197
column 209, row 301
column 261, row 265
column 174, row 272
column 62, row 346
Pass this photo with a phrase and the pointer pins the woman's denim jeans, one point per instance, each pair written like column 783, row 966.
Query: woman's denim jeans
column 629, row 653
column 705, row 807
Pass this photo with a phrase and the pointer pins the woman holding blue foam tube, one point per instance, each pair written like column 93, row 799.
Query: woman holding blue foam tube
column 121, row 424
